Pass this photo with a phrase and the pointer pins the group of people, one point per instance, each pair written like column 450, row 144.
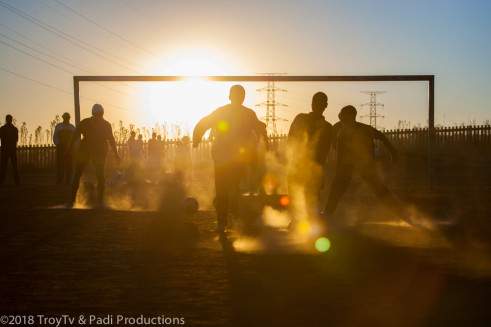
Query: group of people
column 310, row 137
column 237, row 134
column 156, row 161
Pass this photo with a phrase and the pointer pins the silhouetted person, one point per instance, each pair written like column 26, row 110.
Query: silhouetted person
column 356, row 155
column 64, row 158
column 135, row 152
column 9, row 135
column 183, row 165
column 310, row 139
column 97, row 133
column 231, row 149
column 153, row 152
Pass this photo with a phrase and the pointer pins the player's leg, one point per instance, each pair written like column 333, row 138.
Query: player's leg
column 375, row 183
column 68, row 164
column 4, row 164
column 59, row 164
column 99, row 172
column 235, row 174
column 339, row 185
column 222, row 194
column 79, row 169
column 15, row 169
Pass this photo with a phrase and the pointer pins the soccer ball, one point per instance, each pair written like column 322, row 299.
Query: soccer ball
column 189, row 205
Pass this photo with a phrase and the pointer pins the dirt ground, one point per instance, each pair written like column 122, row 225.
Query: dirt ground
column 135, row 262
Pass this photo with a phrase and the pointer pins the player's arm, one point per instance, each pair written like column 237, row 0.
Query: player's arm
column 201, row 127
column 112, row 142
column 380, row 136
column 74, row 138
column 293, row 136
column 56, row 140
column 325, row 143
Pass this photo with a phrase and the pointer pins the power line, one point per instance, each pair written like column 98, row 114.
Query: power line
column 51, row 64
column 69, row 38
column 65, row 91
column 106, row 29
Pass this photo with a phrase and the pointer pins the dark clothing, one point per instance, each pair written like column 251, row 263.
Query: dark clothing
column 64, row 158
column 356, row 147
column 64, row 165
column 93, row 148
column 9, row 136
column 355, row 155
column 9, row 153
column 232, row 137
column 232, row 150
column 94, row 144
column 99, row 172
column 310, row 139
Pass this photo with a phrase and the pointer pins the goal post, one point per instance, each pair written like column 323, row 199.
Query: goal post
column 430, row 79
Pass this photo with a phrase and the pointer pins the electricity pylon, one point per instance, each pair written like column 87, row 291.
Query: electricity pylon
column 373, row 107
column 271, row 104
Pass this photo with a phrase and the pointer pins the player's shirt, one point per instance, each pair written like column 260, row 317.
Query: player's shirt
column 96, row 134
column 310, row 137
column 355, row 145
column 62, row 134
column 232, row 127
column 9, row 135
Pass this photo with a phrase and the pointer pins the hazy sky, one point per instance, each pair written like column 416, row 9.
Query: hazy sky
column 45, row 42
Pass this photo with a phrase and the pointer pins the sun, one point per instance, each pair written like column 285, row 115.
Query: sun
column 184, row 103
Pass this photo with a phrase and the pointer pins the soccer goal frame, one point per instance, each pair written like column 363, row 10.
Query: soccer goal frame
column 430, row 79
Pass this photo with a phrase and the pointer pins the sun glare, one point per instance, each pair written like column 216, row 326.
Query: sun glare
column 184, row 103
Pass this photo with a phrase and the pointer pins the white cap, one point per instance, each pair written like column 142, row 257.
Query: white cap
column 97, row 108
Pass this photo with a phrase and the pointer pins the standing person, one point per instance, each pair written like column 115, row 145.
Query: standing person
column 9, row 135
column 231, row 149
column 135, row 154
column 97, row 133
column 153, row 163
column 310, row 139
column 183, row 165
column 64, row 158
column 356, row 155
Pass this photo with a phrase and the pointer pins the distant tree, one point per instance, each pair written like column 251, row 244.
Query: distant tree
column 38, row 135
column 23, row 134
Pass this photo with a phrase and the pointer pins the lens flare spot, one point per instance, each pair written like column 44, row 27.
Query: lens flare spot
column 322, row 244
column 284, row 200
column 222, row 126
column 304, row 227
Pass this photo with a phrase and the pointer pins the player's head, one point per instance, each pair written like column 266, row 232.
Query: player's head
column 133, row 134
column 154, row 135
column 66, row 117
column 97, row 110
column 347, row 115
column 8, row 119
column 237, row 94
column 319, row 102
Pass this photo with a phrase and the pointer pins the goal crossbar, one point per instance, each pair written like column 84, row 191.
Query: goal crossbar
column 430, row 79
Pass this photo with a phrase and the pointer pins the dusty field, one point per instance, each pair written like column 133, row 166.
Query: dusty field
column 378, row 271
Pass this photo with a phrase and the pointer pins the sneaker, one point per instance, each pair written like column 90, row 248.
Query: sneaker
column 219, row 228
